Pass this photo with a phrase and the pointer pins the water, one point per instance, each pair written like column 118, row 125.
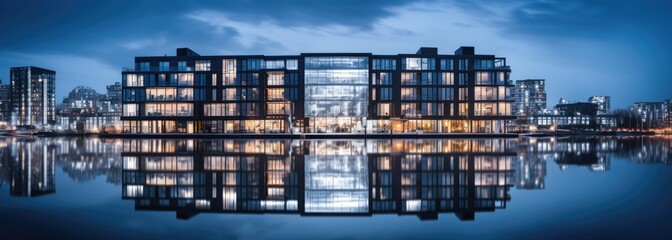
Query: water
column 585, row 187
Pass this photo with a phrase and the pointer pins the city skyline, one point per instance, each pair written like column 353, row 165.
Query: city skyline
column 592, row 45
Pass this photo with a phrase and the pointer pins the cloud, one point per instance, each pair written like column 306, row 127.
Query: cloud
column 144, row 43
column 566, row 19
column 573, row 42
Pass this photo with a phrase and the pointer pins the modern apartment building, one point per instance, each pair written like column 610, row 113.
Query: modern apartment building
column 318, row 93
column 530, row 96
column 33, row 94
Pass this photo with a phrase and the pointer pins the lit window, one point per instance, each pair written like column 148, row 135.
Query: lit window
column 418, row 64
column 292, row 64
column 383, row 109
column 202, row 65
column 130, row 110
column 275, row 64
column 276, row 78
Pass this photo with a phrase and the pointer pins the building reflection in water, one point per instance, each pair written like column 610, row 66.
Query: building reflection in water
column 591, row 152
column 84, row 159
column 320, row 177
column 28, row 167
column 644, row 150
column 332, row 177
column 27, row 164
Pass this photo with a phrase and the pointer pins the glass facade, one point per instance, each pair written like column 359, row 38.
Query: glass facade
column 33, row 91
column 351, row 93
column 336, row 93
column 336, row 184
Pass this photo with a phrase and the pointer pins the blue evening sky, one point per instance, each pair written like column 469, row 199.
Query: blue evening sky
column 582, row 47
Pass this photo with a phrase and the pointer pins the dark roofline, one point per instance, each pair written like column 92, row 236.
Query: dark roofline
column 530, row 80
column 422, row 51
column 33, row 67
column 335, row 54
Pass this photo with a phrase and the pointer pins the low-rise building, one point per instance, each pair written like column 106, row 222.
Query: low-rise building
column 579, row 115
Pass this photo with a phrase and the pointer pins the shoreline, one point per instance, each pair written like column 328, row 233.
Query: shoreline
column 323, row 135
column 307, row 136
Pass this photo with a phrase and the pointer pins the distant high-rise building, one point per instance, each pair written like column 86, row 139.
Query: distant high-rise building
column 530, row 96
column 33, row 93
column 4, row 103
column 652, row 114
column 603, row 104
column 668, row 112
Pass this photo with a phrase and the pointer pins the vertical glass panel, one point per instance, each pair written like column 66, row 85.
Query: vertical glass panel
column 418, row 64
column 275, row 79
column 130, row 110
column 144, row 66
column 229, row 72
column 336, row 184
column 292, row 64
column 447, row 78
column 384, row 64
column 274, row 64
column 336, row 86
column 164, row 66
column 185, row 79
column 202, row 65
column 337, row 62
column 383, row 109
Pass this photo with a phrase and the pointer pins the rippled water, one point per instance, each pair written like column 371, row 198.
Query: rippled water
column 580, row 187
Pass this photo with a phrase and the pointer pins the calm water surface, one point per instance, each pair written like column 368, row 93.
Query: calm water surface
column 580, row 187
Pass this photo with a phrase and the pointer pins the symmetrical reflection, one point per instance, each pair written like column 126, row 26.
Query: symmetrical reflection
column 85, row 159
column 28, row 167
column 315, row 177
column 361, row 177
column 27, row 164
column 594, row 153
